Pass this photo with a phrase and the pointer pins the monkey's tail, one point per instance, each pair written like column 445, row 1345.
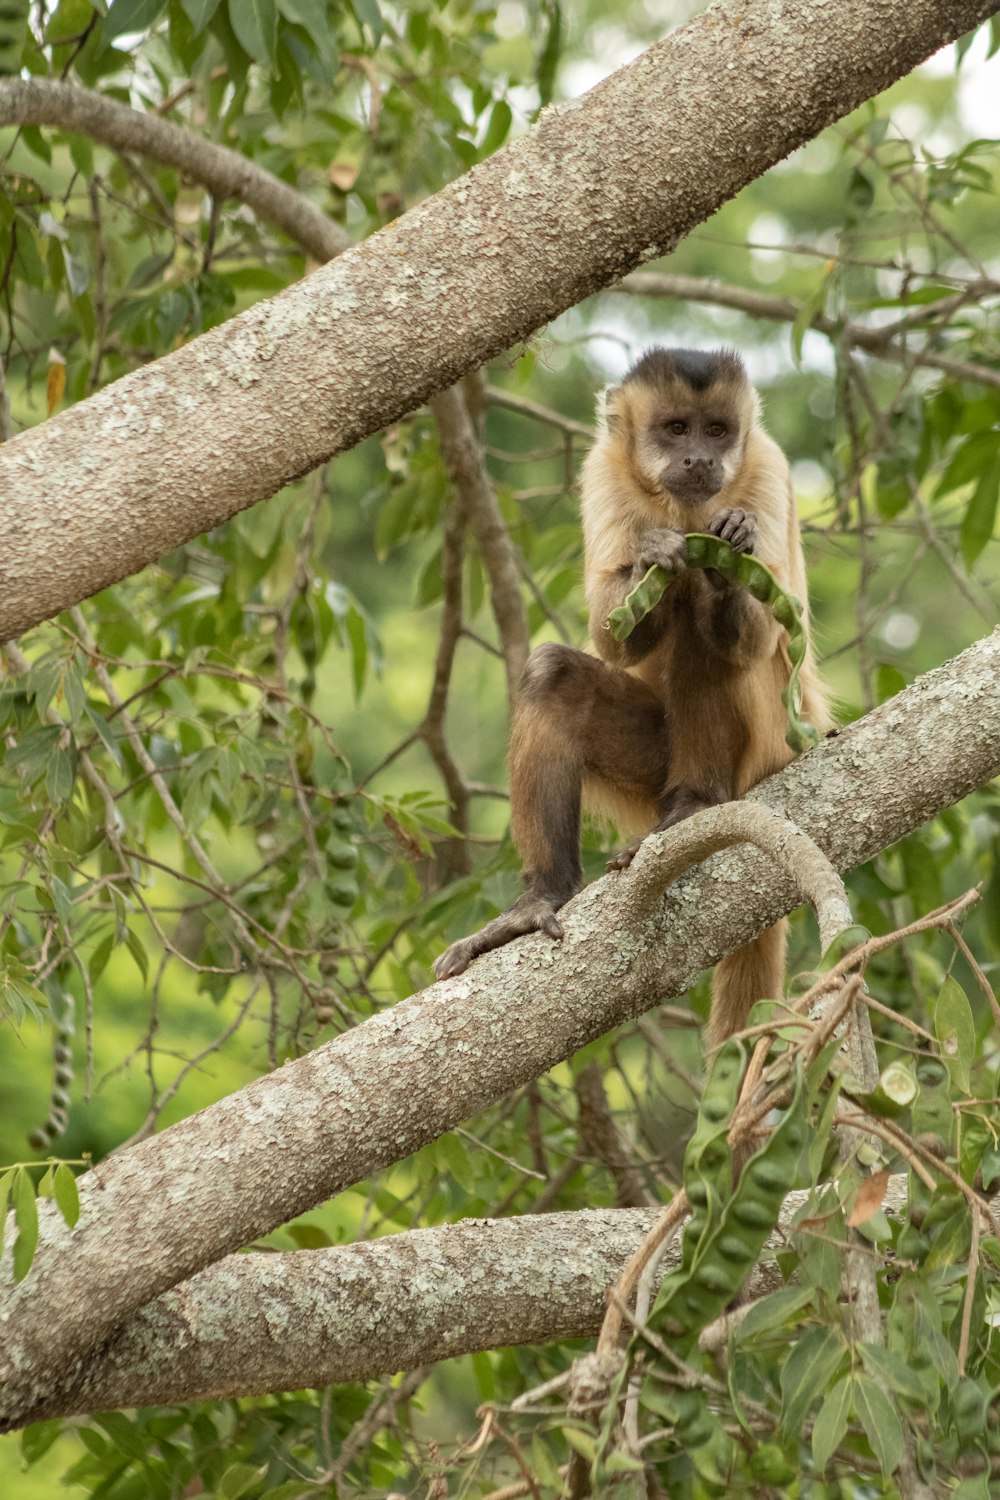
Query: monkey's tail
column 744, row 977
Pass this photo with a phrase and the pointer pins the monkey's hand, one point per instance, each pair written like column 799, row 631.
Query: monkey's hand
column 659, row 547
column 530, row 913
column 737, row 527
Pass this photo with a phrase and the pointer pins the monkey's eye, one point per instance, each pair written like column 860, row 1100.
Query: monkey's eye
column 716, row 429
column 677, row 428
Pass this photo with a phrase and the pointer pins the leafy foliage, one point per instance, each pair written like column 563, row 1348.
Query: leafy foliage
column 228, row 828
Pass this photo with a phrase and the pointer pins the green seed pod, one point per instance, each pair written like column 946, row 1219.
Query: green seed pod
column 757, row 580
column 750, row 1213
column 341, row 890
column 734, row 1247
column 768, row 1177
column 706, row 551
column 341, row 854
column 715, row 1278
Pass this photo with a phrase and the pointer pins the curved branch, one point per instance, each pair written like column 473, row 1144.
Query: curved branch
column 260, row 1323
column 664, row 856
column 226, row 174
column 881, row 342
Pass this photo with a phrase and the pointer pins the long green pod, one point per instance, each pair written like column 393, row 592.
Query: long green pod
column 715, row 1264
column 707, row 551
column 708, row 1161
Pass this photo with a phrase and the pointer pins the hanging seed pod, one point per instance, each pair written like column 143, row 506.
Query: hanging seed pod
column 718, row 1255
column 706, row 551
column 59, row 1099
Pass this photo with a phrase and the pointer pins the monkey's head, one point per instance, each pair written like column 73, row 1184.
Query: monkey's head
column 682, row 416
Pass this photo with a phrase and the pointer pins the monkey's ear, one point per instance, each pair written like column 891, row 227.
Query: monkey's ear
column 609, row 415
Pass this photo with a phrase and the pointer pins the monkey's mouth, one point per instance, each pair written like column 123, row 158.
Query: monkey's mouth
column 693, row 488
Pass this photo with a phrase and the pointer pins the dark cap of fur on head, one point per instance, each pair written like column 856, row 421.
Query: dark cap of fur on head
column 697, row 368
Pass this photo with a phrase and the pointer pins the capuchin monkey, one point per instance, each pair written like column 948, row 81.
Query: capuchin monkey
column 686, row 713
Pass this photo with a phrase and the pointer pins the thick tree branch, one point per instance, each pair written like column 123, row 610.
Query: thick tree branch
column 158, row 1212
column 595, row 189
column 260, row 1323
column 225, row 173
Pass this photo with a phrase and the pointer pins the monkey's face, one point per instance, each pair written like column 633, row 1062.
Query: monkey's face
column 681, row 418
column 688, row 444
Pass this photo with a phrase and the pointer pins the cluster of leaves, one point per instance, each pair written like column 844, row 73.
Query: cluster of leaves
column 801, row 1390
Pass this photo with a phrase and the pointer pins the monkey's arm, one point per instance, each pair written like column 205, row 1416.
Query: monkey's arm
column 608, row 586
column 737, row 628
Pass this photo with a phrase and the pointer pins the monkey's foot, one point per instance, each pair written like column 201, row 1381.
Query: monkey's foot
column 624, row 857
column 529, row 914
column 680, row 803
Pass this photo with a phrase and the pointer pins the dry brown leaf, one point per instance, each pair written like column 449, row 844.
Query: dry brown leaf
column 869, row 1199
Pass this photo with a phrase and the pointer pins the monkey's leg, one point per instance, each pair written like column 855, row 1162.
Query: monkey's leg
column 575, row 719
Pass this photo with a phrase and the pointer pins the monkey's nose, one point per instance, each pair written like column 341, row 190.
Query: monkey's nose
column 701, row 464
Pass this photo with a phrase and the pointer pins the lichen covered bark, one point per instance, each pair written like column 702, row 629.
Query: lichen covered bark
column 595, row 189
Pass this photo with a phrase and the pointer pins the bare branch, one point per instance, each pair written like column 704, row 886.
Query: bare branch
column 882, row 342
column 463, row 458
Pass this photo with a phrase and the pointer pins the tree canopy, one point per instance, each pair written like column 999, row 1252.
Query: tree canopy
column 252, row 757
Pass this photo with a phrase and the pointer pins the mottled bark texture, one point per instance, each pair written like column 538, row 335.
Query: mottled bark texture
column 595, row 189
column 260, row 1323
column 166, row 1208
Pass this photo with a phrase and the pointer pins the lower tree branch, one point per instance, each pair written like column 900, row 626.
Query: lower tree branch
column 260, row 1323
column 166, row 1208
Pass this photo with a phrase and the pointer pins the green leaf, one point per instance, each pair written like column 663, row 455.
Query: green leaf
column 548, row 59
column 255, row 23
column 978, row 453
column 893, row 1371
column 497, row 129
column 66, row 1195
column 831, row 1421
column 138, row 952
column 368, row 14
column 312, row 16
column 26, row 1218
column 199, row 12
column 454, row 1157
column 773, row 1311
column 238, row 1479
column 955, row 1029
column 125, row 16
column 808, row 1370
column 980, row 515
column 889, row 681
column 6, row 1184
column 878, row 1417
